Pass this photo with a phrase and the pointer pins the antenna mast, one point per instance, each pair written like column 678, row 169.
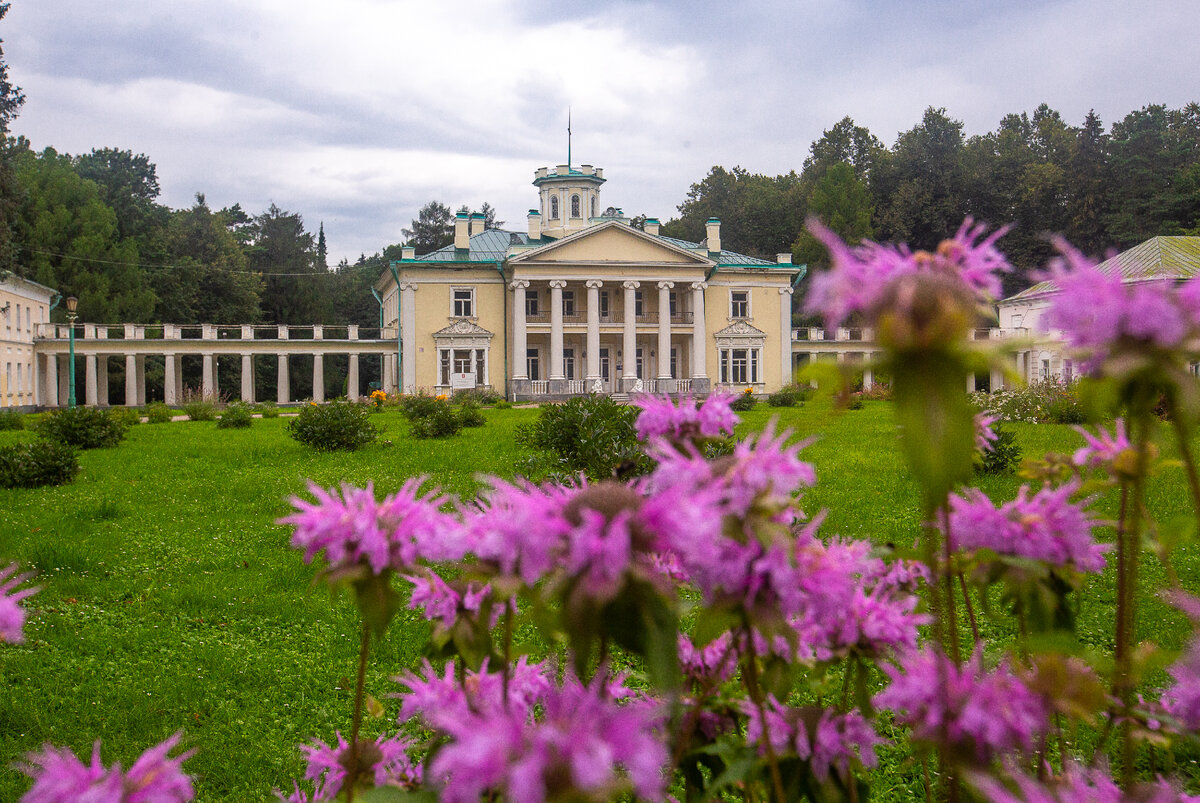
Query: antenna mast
column 568, row 139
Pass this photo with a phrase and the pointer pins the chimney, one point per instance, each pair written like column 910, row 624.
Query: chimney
column 587, row 170
column 462, row 233
column 408, row 252
column 562, row 170
column 535, row 224
column 651, row 226
column 712, row 232
column 540, row 173
column 783, row 259
column 478, row 224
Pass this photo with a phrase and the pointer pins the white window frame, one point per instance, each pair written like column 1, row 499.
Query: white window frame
column 576, row 206
column 533, row 364
column 531, row 304
column 467, row 308
column 554, row 207
column 568, row 303
column 749, row 310
column 568, row 363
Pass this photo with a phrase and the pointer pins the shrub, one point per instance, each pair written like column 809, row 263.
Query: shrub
column 198, row 406
column 787, row 397
column 82, row 427
column 267, row 409
column 437, row 420
column 879, row 391
column 37, row 463
column 1046, row 402
column 338, row 425
column 378, row 398
column 590, row 434
column 126, row 416
column 745, row 401
column 420, row 405
column 480, row 396
column 158, row 413
column 1004, row 456
column 504, row 404
column 11, row 419
column 237, row 415
column 470, row 414
column 854, row 402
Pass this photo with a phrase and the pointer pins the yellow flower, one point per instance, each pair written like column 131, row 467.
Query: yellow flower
column 441, row 397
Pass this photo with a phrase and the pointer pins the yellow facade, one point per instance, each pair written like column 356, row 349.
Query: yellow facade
column 23, row 306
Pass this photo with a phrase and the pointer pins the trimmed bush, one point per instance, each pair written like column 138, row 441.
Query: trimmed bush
column 37, row 463
column 480, row 396
column 590, row 434
column 158, row 413
column 470, row 414
column 340, row 425
column 1004, row 457
column 126, row 416
column 237, row 415
column 267, row 409
column 504, row 404
column 11, row 419
column 82, row 427
column 744, row 401
column 198, row 407
column 420, row 405
column 437, row 420
column 787, row 397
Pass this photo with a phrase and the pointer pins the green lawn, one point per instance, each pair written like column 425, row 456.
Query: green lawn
column 170, row 599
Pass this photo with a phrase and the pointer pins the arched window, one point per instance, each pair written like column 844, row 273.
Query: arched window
column 554, row 207
column 575, row 206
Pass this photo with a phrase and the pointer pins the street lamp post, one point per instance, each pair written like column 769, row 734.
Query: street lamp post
column 72, row 303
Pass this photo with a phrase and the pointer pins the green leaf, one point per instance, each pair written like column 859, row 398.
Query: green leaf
column 713, row 621
column 377, row 601
column 388, row 794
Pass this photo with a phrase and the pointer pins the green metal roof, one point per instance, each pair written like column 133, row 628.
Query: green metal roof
column 492, row 245
column 1156, row 258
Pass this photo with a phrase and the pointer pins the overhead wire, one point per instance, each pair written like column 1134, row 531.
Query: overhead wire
column 163, row 267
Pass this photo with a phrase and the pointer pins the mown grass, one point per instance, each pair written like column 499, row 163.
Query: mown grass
column 171, row 599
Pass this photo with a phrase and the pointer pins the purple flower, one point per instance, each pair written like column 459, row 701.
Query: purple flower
column 826, row 739
column 1046, row 526
column 384, row 762
column 12, row 615
column 715, row 662
column 1100, row 313
column 1182, row 699
column 60, row 777
column 1076, row 783
column 354, row 530
column 1102, row 449
column 440, row 601
column 967, row 710
column 662, row 418
column 985, row 436
column 862, row 277
column 548, row 741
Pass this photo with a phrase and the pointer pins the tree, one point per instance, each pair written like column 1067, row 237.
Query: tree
column 433, row 228
column 488, row 212
column 128, row 184
column 295, row 289
column 208, row 280
column 322, row 249
column 760, row 215
column 1087, row 178
column 71, row 242
column 845, row 143
column 11, row 99
column 841, row 201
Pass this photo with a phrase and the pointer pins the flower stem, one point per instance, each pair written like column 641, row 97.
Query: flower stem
column 757, row 696
column 363, row 650
column 1185, row 453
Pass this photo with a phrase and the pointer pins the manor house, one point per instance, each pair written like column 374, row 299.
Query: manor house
column 582, row 301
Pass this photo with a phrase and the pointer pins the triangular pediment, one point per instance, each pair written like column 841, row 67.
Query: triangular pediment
column 611, row 243
column 740, row 329
column 463, row 328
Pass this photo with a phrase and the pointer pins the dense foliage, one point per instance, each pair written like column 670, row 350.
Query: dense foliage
column 590, row 435
column 33, row 464
column 334, row 426
column 236, row 415
column 83, row 427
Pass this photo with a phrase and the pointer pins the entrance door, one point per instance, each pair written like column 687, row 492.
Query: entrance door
column 605, row 374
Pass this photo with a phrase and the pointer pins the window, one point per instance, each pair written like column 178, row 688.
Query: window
column 1045, row 369
column 533, row 365
column 443, row 366
column 604, row 304
column 569, row 363
column 554, row 207
column 674, row 361
column 575, row 206
column 739, row 366
column 1068, row 371
column 639, row 365
column 568, row 297
column 531, row 304
column 463, row 302
column 739, row 303
column 462, row 361
column 674, row 301
column 637, row 303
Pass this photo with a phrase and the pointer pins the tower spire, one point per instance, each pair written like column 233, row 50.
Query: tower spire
column 568, row 138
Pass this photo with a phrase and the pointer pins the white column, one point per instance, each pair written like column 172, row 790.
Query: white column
column 283, row 394
column 971, row 382
column 520, row 369
column 408, row 336
column 997, row 381
column 130, row 381
column 318, row 378
column 556, row 329
column 141, row 380
column 90, row 396
column 247, row 375
column 207, row 384
column 102, row 379
column 699, row 332
column 593, row 330
column 50, row 380
column 785, row 335
column 664, row 329
column 64, row 379
column 352, row 374
column 169, row 379
column 868, row 376
column 629, row 331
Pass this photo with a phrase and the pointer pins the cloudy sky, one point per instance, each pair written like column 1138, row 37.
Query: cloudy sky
column 355, row 113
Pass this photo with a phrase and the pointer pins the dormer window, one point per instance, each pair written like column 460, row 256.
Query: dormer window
column 575, row 206
column 554, row 207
